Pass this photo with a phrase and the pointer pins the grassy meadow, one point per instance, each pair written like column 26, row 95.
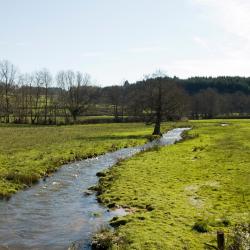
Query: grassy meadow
column 28, row 153
column 179, row 196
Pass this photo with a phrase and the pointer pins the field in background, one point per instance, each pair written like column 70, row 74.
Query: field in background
column 180, row 195
column 28, row 153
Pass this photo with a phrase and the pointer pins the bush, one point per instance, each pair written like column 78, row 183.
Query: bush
column 239, row 239
column 105, row 239
column 102, row 240
column 200, row 226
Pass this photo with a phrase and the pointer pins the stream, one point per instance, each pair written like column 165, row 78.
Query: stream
column 54, row 213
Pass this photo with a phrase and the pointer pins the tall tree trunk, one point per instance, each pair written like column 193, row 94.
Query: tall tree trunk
column 116, row 112
column 157, row 128
column 46, row 105
column 7, row 117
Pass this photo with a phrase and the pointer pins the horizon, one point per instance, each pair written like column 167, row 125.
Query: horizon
column 116, row 41
column 93, row 81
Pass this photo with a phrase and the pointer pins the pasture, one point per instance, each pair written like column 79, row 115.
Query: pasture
column 28, row 153
column 178, row 196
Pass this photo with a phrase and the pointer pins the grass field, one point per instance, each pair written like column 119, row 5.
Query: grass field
column 180, row 195
column 29, row 152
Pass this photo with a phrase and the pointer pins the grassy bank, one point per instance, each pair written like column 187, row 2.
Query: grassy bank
column 29, row 152
column 180, row 195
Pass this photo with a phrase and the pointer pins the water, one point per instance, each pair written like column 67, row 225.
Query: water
column 55, row 213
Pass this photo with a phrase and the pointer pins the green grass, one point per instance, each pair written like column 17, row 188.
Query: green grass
column 29, row 152
column 182, row 194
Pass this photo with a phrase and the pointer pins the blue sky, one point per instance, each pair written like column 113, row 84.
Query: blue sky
column 114, row 40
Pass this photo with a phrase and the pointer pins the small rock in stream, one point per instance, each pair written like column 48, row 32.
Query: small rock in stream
column 88, row 192
column 100, row 174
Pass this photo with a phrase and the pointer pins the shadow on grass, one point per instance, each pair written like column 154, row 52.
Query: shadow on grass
column 113, row 137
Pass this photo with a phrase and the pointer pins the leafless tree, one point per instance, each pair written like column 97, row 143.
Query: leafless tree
column 62, row 94
column 163, row 100
column 45, row 81
column 75, row 90
column 36, row 100
column 7, row 77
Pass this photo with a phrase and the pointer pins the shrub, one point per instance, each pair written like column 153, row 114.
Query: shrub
column 105, row 239
column 239, row 239
column 200, row 226
column 102, row 240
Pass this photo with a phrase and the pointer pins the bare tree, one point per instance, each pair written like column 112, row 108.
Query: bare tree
column 76, row 90
column 114, row 98
column 7, row 76
column 62, row 95
column 81, row 95
column 163, row 100
column 207, row 104
column 36, row 107
column 2, row 113
column 45, row 80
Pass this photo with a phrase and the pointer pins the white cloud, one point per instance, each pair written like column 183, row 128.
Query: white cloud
column 201, row 42
column 136, row 50
column 92, row 54
column 231, row 15
column 231, row 50
column 219, row 67
column 147, row 49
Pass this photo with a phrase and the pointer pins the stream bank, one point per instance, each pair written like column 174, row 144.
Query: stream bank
column 55, row 213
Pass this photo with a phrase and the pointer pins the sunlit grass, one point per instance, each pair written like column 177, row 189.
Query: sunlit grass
column 193, row 188
column 29, row 152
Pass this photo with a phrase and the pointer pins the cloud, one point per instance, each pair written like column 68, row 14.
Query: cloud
column 230, row 50
column 219, row 67
column 201, row 42
column 146, row 49
column 92, row 54
column 232, row 15
column 135, row 50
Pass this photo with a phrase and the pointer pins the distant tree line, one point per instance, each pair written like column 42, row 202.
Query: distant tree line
column 39, row 98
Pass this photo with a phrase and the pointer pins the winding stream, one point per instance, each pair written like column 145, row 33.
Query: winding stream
column 55, row 213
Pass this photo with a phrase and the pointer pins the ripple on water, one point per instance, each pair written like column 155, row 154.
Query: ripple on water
column 52, row 215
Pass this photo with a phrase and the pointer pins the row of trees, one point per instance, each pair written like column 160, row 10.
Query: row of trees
column 39, row 98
